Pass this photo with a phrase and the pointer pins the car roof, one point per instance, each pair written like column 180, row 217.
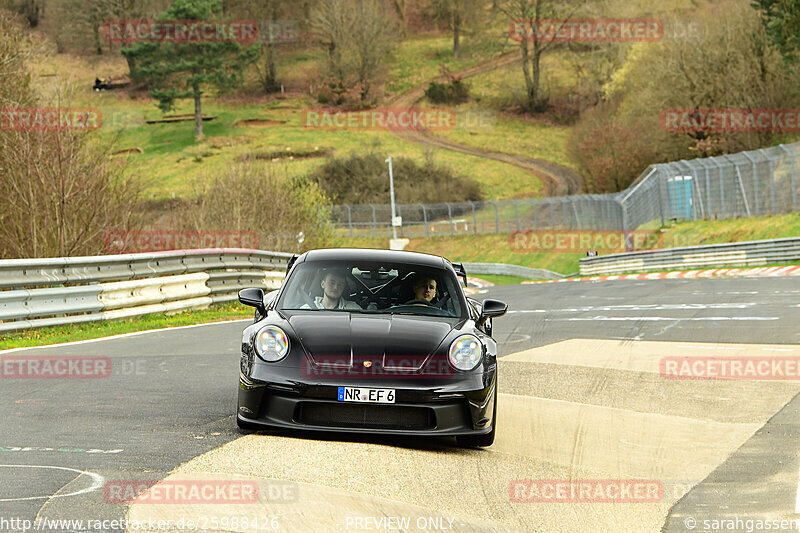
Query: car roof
column 367, row 254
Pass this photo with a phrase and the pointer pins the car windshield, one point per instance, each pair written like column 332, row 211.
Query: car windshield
column 372, row 287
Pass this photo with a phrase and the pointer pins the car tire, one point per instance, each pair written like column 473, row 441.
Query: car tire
column 481, row 441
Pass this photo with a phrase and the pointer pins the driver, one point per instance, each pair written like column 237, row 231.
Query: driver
column 424, row 289
column 333, row 285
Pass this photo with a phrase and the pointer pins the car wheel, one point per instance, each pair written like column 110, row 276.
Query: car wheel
column 481, row 441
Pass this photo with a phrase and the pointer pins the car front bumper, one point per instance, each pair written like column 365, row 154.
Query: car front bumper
column 462, row 408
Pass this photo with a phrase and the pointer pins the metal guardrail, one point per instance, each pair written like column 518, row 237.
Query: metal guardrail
column 750, row 253
column 57, row 291
column 38, row 293
column 510, row 270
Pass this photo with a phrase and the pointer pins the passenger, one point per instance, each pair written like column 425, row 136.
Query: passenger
column 333, row 285
column 424, row 289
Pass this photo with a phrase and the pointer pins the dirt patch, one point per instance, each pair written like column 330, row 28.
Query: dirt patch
column 177, row 118
column 129, row 151
column 259, row 122
column 287, row 154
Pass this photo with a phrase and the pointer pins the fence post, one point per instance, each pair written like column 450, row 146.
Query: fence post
column 695, row 197
column 374, row 221
column 400, row 214
column 474, row 218
column 552, row 215
column 624, row 212
column 707, row 184
column 603, row 216
column 496, row 217
column 425, row 220
column 449, row 216
column 516, row 213
column 722, row 207
column 349, row 218
column 572, row 201
column 771, row 180
column 533, row 207
column 741, row 186
column 794, row 187
column 755, row 179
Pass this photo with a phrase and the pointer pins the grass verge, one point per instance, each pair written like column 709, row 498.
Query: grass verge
column 94, row 330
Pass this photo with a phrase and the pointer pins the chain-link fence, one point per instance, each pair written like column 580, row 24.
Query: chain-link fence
column 748, row 184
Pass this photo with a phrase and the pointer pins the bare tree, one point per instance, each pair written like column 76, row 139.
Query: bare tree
column 730, row 65
column 16, row 49
column 529, row 16
column 358, row 35
column 59, row 191
column 278, row 25
column 60, row 194
column 462, row 16
column 78, row 24
column 32, row 10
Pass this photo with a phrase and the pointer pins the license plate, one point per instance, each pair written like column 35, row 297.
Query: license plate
column 357, row 394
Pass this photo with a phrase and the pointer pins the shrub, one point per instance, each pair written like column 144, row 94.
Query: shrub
column 251, row 196
column 610, row 154
column 364, row 179
column 455, row 92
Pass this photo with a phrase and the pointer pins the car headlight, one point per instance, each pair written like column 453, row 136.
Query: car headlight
column 271, row 343
column 466, row 352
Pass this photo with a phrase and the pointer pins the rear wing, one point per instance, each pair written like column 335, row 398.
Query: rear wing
column 460, row 272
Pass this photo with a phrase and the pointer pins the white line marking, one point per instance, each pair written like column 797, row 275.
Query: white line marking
column 122, row 335
column 662, row 318
column 97, row 483
column 699, row 347
column 524, row 338
column 639, row 307
column 797, row 500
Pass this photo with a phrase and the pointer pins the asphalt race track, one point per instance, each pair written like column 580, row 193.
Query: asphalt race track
column 585, row 402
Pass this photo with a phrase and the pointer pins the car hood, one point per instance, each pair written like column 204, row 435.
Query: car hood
column 389, row 341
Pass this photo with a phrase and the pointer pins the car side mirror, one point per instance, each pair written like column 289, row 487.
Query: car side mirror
column 253, row 298
column 491, row 309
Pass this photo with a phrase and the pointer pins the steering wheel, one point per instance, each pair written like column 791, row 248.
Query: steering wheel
column 417, row 302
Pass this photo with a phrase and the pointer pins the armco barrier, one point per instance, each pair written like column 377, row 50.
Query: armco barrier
column 750, row 253
column 56, row 291
column 510, row 270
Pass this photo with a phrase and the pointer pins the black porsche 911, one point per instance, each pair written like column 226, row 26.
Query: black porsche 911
column 371, row 341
